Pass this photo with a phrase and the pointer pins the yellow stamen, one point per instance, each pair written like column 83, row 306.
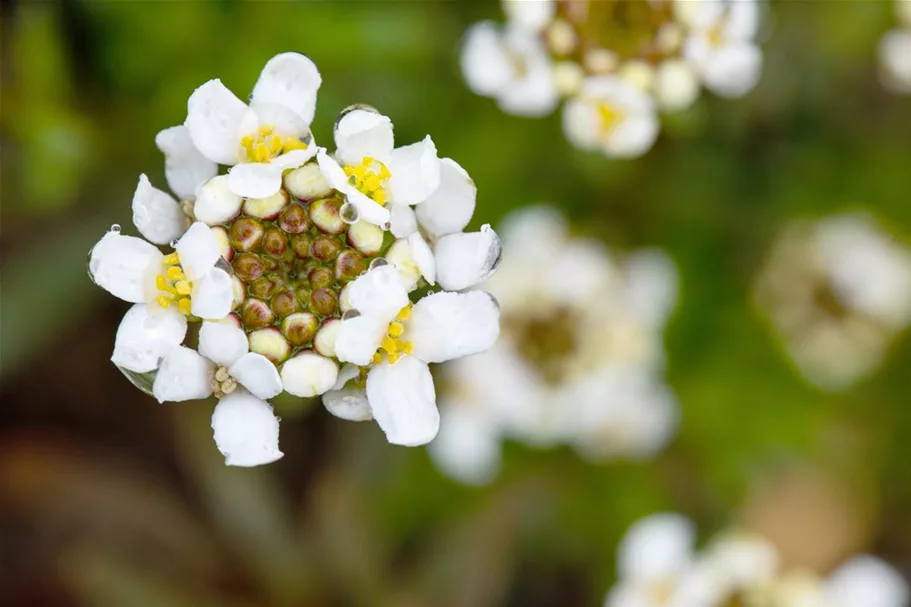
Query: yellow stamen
column 408, row 348
column 182, row 287
column 170, row 260
column 388, row 344
column 368, row 177
column 294, row 144
column 246, row 141
column 266, row 129
column 275, row 145
column 175, row 273
column 163, row 300
column 184, row 305
column 377, row 358
column 610, row 117
column 404, row 313
column 400, row 344
column 395, row 329
column 394, row 357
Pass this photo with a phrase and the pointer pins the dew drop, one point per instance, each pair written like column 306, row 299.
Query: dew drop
column 379, row 262
column 348, row 213
column 143, row 381
column 115, row 228
column 173, row 244
column 353, row 107
column 349, row 314
column 222, row 264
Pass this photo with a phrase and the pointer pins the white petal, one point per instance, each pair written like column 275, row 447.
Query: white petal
column 651, row 288
column 450, row 207
column 358, row 339
column 222, row 342
column 350, row 402
column 257, row 374
column 332, row 170
column 290, row 80
column 401, row 255
column 367, row 208
column 363, row 133
column 485, row 64
column 468, row 445
column 444, row 325
column 733, row 70
column 284, row 121
column 121, row 264
column 423, row 257
column 656, row 547
column 213, row 295
column 533, row 15
column 216, row 203
column 415, row 172
column 633, row 137
column 255, row 179
column 533, row 92
column 245, row 430
column 581, row 123
column 308, row 374
column 184, row 166
column 295, row 158
column 143, row 339
column 895, row 59
column 465, row 260
column 378, row 293
column 198, row 250
column 866, row 581
column 216, row 118
column 402, row 222
column 742, row 21
column 183, row 375
column 156, row 214
column 676, row 85
column 403, row 401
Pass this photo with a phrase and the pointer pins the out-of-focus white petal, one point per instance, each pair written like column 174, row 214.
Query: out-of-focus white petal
column 403, row 401
column 415, row 172
column 633, row 137
column 484, row 61
column 378, row 293
column 361, row 133
column 733, row 70
column 245, row 430
column 467, row 259
column 290, row 80
column 156, row 214
column 448, row 209
column 444, row 325
column 185, row 167
column 308, row 374
column 401, row 255
column 743, row 559
column 402, row 222
column 222, row 342
column 216, row 203
column 867, row 581
column 533, row 90
column 257, row 374
column 183, row 375
column 213, row 295
column 656, row 547
column 358, row 339
column 533, row 15
column 423, row 257
column 121, row 264
column 651, row 285
column 348, row 402
column 676, row 85
column 742, row 22
column 143, row 339
column 581, row 123
column 467, row 447
column 198, row 250
column 216, row 120
column 255, row 179
column 895, row 59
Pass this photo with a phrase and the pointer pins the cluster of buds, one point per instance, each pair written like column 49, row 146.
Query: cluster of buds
column 615, row 62
column 895, row 52
column 297, row 265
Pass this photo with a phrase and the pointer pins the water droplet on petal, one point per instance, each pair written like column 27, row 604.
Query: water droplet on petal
column 115, row 228
column 351, row 108
column 222, row 264
column 173, row 244
column 349, row 314
column 379, row 262
column 143, row 381
column 348, row 213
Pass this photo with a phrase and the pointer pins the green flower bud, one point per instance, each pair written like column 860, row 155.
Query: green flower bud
column 294, row 219
column 349, row 265
column 325, row 247
column 323, row 302
column 320, row 277
column 264, row 287
column 275, row 243
column 256, row 313
column 307, row 182
column 271, row 344
column 266, row 208
column 284, row 303
column 299, row 328
column 246, row 234
column 248, row 267
column 325, row 215
column 366, row 238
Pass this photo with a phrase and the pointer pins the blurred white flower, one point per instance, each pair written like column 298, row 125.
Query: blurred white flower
column 895, row 52
column 837, row 291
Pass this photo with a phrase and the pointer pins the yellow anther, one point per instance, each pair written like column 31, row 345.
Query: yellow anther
column 163, row 300
column 261, row 152
column 408, row 347
column 175, row 273
column 161, row 284
column 395, row 329
column 609, row 117
column 388, row 344
column 367, row 161
column 266, row 129
column 293, row 143
column 182, row 287
column 377, row 358
column 275, row 145
column 246, row 141
column 404, row 313
column 170, row 260
column 384, row 173
column 394, row 358
column 349, row 170
column 184, row 305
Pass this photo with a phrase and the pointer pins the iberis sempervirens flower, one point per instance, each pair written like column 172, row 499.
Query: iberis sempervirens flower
column 295, row 267
column 579, row 360
column 838, row 291
column 615, row 62
column 895, row 52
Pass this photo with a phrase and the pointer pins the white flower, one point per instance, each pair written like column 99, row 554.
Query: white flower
column 676, row 85
column 511, row 66
column 865, row 581
column 185, row 166
column 533, row 15
column 612, row 115
column 399, row 339
column 264, row 139
column 371, row 172
column 721, row 45
column 157, row 216
column 895, row 60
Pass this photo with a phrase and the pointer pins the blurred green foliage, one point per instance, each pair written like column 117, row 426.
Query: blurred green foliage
column 85, row 87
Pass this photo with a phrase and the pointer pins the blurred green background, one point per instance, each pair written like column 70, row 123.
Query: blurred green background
column 110, row 499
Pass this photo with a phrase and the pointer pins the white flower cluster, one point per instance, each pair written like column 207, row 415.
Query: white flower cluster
column 838, row 291
column 579, row 359
column 895, row 52
column 616, row 63
column 659, row 566
column 297, row 266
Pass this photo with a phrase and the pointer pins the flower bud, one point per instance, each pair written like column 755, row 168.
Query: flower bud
column 266, row 208
column 320, row 277
column 324, row 342
column 264, row 287
column 294, row 219
column 309, row 374
column 325, row 215
column 284, row 303
column 300, row 244
column 323, row 302
column 348, row 266
column 248, row 266
column 366, row 238
column 307, row 183
column 216, row 203
column 271, row 344
column 246, row 234
column 256, row 313
column 275, row 243
column 299, row 328
column 325, row 247
column 224, row 242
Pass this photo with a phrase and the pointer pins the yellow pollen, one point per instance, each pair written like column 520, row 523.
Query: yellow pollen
column 394, row 357
column 173, row 286
column 184, row 305
column 163, row 300
column 170, row 260
column 266, row 144
column 182, row 287
column 293, row 143
column 368, row 177
column 175, row 273
column 395, row 329
column 392, row 345
column 610, row 117
column 388, row 344
column 408, row 348
column 377, row 358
